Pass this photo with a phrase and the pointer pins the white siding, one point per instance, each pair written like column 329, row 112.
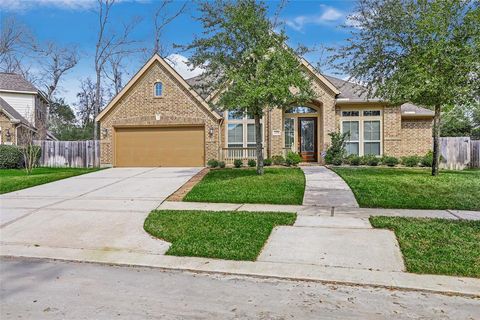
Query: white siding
column 23, row 103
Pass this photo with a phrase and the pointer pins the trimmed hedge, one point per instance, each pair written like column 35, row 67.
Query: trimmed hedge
column 11, row 157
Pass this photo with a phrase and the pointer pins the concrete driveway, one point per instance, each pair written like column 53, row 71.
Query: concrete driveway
column 101, row 210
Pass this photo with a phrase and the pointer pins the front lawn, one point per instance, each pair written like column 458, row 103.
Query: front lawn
column 231, row 235
column 16, row 179
column 413, row 188
column 276, row 186
column 436, row 246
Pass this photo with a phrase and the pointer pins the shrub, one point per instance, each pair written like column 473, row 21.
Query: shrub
column 212, row 163
column 427, row 160
column 373, row 161
column 252, row 163
column 278, row 160
column 366, row 158
column 267, row 162
column 390, row 161
column 237, row 163
column 292, row 158
column 11, row 157
column 337, row 161
column 337, row 149
column 221, row 164
column 410, row 161
column 354, row 161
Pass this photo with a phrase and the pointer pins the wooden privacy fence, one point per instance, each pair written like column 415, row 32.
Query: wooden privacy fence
column 459, row 153
column 75, row 154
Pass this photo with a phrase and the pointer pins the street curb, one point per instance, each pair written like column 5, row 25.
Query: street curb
column 446, row 285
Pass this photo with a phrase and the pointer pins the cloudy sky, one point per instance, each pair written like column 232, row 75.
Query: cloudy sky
column 73, row 22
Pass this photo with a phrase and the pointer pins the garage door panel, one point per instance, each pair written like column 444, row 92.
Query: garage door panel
column 166, row 147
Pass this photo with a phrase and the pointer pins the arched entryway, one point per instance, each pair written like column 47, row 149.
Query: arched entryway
column 302, row 128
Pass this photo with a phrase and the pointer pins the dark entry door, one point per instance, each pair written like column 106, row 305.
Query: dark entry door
column 307, row 139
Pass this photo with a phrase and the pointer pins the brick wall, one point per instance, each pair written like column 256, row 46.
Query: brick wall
column 416, row 136
column 138, row 106
column 392, row 123
column 4, row 125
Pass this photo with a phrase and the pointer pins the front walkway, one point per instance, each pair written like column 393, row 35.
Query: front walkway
column 325, row 188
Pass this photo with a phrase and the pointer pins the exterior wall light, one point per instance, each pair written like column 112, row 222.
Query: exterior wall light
column 210, row 132
column 104, row 132
column 8, row 135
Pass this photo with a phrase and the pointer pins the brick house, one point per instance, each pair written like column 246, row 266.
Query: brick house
column 159, row 119
column 23, row 108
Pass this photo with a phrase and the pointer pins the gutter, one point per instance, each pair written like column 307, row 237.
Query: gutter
column 353, row 101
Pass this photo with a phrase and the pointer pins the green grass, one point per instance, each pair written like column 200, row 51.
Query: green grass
column 413, row 188
column 17, row 179
column 436, row 246
column 276, row 186
column 223, row 235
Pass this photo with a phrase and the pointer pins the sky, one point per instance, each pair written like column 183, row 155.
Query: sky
column 314, row 24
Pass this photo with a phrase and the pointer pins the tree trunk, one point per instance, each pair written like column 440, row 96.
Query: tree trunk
column 436, row 141
column 96, row 108
column 258, row 139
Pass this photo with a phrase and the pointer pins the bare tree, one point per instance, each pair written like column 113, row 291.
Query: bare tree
column 108, row 45
column 86, row 100
column 56, row 62
column 161, row 18
column 26, row 136
column 114, row 72
column 16, row 43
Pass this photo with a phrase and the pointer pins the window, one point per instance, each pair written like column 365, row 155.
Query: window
column 158, row 89
column 371, row 113
column 241, row 130
column 289, row 129
column 301, row 109
column 235, row 115
column 350, row 113
column 352, row 144
column 251, row 141
column 371, row 137
column 235, row 135
column 365, row 131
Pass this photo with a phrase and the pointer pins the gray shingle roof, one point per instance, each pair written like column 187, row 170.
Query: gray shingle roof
column 12, row 112
column 353, row 91
column 348, row 90
column 15, row 82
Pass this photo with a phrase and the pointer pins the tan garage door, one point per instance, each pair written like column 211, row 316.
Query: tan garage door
column 159, row 147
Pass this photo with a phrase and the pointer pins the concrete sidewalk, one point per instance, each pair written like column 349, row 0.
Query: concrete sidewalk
column 308, row 210
column 387, row 279
column 324, row 187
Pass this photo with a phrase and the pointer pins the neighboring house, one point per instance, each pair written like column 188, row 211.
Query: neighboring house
column 23, row 108
column 158, row 119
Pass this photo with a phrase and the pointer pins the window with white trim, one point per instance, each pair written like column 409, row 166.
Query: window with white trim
column 289, row 129
column 371, row 137
column 241, row 130
column 352, row 144
column 364, row 130
column 235, row 135
column 158, row 89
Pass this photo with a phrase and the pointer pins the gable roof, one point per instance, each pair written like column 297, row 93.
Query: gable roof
column 15, row 83
column 146, row 66
column 352, row 92
column 11, row 113
column 208, row 94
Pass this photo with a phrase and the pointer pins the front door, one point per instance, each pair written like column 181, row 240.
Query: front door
column 307, row 139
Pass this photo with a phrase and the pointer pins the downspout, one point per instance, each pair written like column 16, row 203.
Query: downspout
column 220, row 143
column 269, row 131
